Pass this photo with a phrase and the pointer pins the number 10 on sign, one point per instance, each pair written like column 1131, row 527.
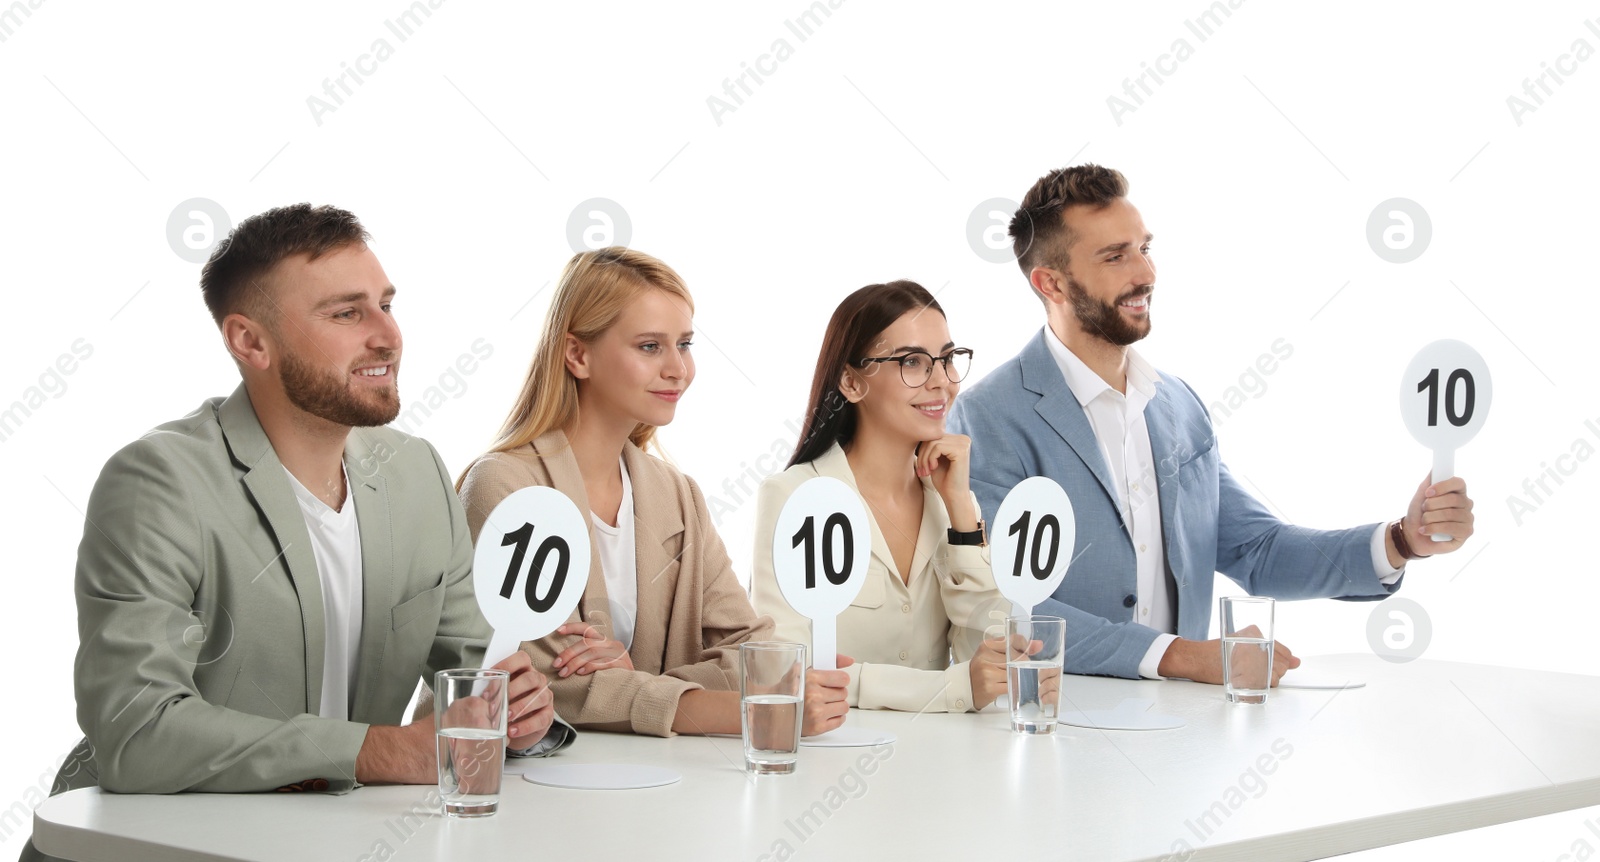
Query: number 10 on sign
column 1033, row 535
column 1444, row 399
column 819, row 555
column 530, row 567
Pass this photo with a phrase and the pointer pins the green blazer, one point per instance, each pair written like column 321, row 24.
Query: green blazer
column 200, row 616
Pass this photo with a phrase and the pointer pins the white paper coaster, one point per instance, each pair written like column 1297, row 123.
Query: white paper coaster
column 1313, row 678
column 848, row 737
column 599, row 776
column 1131, row 714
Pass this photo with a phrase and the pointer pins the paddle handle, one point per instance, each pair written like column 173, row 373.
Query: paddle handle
column 825, row 644
column 501, row 647
column 1444, row 467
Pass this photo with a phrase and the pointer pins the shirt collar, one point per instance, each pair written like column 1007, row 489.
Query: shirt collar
column 1086, row 385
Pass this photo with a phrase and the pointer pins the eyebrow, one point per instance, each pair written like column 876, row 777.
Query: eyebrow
column 948, row 345
column 354, row 296
column 1120, row 246
column 661, row 336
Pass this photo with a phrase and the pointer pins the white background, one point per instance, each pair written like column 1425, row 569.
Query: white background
column 858, row 160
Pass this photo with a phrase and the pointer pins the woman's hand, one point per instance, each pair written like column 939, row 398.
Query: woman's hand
column 530, row 704
column 592, row 652
column 987, row 669
column 827, row 698
column 947, row 461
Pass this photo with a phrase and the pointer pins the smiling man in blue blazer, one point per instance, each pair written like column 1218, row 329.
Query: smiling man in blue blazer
column 1158, row 513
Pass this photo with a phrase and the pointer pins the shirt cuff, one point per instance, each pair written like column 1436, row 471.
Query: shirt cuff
column 556, row 738
column 958, row 687
column 1387, row 574
column 1152, row 657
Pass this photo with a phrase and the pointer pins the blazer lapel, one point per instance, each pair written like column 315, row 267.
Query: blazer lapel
column 373, row 518
column 555, row 454
column 268, row 485
column 1162, row 425
column 1060, row 409
column 657, row 543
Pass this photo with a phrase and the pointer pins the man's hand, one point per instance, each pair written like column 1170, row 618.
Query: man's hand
column 1441, row 508
column 1201, row 661
column 530, row 703
column 592, row 652
column 477, row 762
column 399, row 755
column 827, row 698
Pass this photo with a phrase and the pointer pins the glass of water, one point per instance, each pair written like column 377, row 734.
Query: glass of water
column 469, row 714
column 772, row 688
column 1035, row 648
column 1247, row 648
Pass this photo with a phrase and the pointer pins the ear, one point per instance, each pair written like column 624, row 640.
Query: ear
column 576, row 354
column 1049, row 283
column 249, row 342
column 853, row 386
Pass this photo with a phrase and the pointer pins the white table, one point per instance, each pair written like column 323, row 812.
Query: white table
column 1424, row 749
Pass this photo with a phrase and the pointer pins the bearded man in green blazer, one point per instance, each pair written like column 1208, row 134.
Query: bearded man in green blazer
column 262, row 583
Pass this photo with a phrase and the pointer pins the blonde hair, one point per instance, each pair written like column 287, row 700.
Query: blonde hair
column 594, row 289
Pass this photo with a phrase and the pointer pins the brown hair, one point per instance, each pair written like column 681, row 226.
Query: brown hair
column 228, row 281
column 1039, row 234
column 856, row 323
column 594, row 289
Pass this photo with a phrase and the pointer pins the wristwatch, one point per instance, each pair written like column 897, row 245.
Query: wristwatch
column 1397, row 532
column 974, row 537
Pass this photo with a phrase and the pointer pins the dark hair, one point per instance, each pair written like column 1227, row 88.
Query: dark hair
column 856, row 323
column 1039, row 235
column 260, row 243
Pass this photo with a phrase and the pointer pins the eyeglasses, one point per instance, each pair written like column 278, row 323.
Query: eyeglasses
column 917, row 366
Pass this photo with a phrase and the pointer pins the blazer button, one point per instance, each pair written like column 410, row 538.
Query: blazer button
column 904, row 655
column 905, row 608
column 1129, row 601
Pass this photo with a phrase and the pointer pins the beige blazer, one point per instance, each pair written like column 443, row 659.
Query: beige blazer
column 900, row 635
column 692, row 615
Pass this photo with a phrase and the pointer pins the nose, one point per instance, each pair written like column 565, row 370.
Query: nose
column 1146, row 275
column 676, row 365
column 385, row 334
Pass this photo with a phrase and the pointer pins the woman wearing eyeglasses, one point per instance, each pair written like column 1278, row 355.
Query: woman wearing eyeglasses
column 885, row 379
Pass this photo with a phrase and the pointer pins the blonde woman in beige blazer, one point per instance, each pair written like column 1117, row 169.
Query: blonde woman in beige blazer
column 653, row 645
column 885, row 379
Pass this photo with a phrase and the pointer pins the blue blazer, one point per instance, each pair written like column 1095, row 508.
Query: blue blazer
column 1024, row 421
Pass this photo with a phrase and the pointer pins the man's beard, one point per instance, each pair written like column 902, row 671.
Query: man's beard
column 313, row 389
column 1104, row 320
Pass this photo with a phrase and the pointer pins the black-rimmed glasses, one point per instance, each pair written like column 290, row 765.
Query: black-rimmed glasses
column 917, row 365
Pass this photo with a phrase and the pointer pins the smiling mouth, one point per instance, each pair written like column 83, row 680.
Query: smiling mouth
column 1138, row 303
column 668, row 394
column 933, row 410
column 378, row 371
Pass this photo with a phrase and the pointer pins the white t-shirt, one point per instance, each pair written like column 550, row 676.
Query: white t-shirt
column 621, row 567
column 336, row 545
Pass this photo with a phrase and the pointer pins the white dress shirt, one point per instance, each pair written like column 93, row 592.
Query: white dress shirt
column 621, row 567
column 1124, row 438
column 336, row 545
